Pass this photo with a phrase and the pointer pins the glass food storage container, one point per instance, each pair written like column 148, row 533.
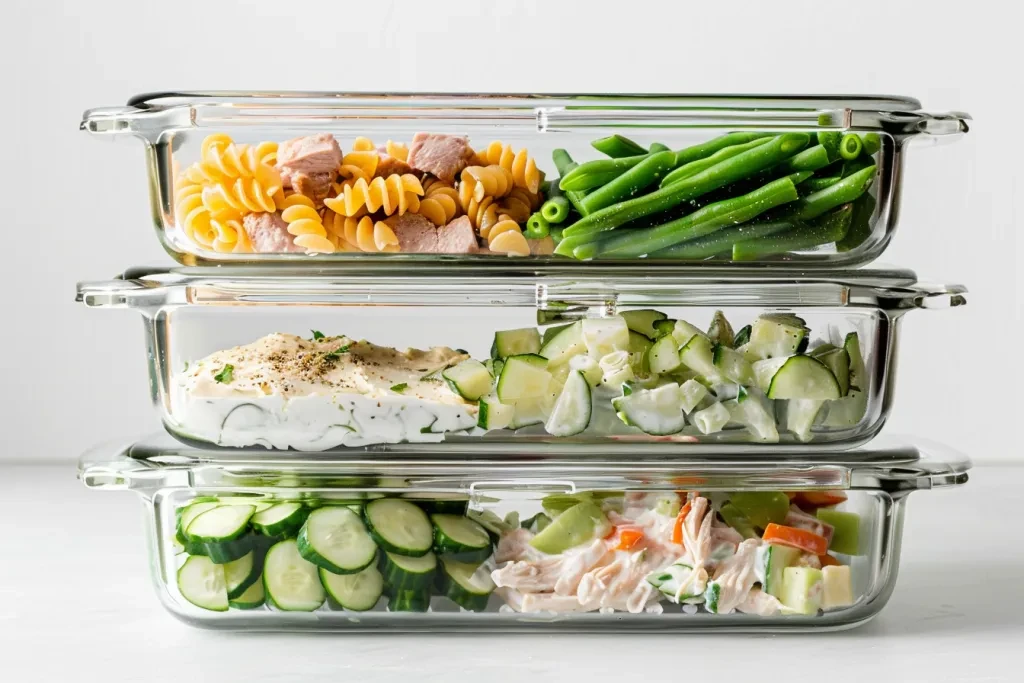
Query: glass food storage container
column 400, row 182
column 423, row 541
column 655, row 362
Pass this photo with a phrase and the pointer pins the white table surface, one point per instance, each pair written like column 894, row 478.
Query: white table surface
column 76, row 605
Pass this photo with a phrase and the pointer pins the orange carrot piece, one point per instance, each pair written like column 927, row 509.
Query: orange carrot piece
column 808, row 541
column 677, row 530
column 817, row 499
column 629, row 538
column 827, row 560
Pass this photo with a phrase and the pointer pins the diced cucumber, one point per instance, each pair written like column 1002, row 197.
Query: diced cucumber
column 282, row 519
column 711, row 595
column 440, row 503
column 202, row 583
column 242, row 573
column 663, row 356
column 762, row 507
column 538, row 523
column 655, row 411
column 253, row 597
column 772, row 336
column 752, row 412
column 735, row 518
column 557, row 503
column 802, row 589
column 639, row 346
column 776, row 559
column 742, row 337
column 663, row 327
column 572, row 411
column 467, row 585
column 804, row 377
column 336, row 539
column 838, row 361
column 469, row 379
column 668, row 504
column 616, row 369
column 684, row 332
column 850, row 410
column 732, row 365
column 357, row 592
column 528, row 412
column 800, row 416
column 494, row 414
column 671, row 582
column 837, row 587
column 515, row 342
column 605, row 335
column 399, row 527
column 720, row 331
column 691, row 393
column 523, row 376
column 643, row 321
column 291, row 582
column 581, row 523
column 409, row 601
column 846, row 530
column 549, row 333
column 590, row 368
column 711, row 419
column 402, row 573
column 821, row 350
column 461, row 536
column 764, row 370
column 696, row 354
column 564, row 344
column 220, row 524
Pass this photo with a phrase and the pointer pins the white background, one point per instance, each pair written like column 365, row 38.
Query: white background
column 76, row 208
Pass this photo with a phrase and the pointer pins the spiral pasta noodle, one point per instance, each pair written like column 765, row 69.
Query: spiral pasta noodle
column 520, row 203
column 520, row 164
column 361, row 233
column 483, row 214
column 440, row 202
column 304, row 223
column 394, row 194
column 506, row 237
column 221, row 231
column 484, row 181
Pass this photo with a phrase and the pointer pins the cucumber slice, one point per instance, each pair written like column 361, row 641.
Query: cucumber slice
column 639, row 346
column 242, row 573
column 283, row 519
column 224, row 552
column 572, row 411
column 802, row 589
column 711, row 419
column 670, row 582
column 819, row 351
column 220, row 524
column 461, row 536
column 751, row 412
column 850, row 410
column 838, row 361
column 581, row 523
column 711, row 596
column 663, row 356
column 720, row 331
column 776, row 559
column 253, row 597
column 654, row 411
column 523, row 376
column 467, row 585
column 441, row 503
column 402, row 573
column 469, row 379
column 335, row 538
column 605, row 335
column 764, row 370
column 804, row 377
column 494, row 414
column 356, row 592
column 684, row 332
column 691, row 393
column 837, row 588
column 732, row 365
column 202, row 583
column 399, row 527
column 590, row 368
column 772, row 336
column 292, row 583
column 800, row 416
column 409, row 601
column 697, row 355
column 564, row 344
column 846, row 530
column 515, row 342
column 643, row 321
column 742, row 337
column 183, row 516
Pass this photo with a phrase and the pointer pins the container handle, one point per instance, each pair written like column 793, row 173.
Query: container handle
column 128, row 290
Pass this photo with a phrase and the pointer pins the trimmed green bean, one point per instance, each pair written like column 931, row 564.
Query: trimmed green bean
column 861, row 162
column 860, row 224
column 555, row 209
column 556, row 233
column 658, row 147
column 537, row 227
column 815, row 184
column 831, row 140
column 597, row 173
column 872, row 143
column 719, row 175
column 630, row 183
column 636, row 243
column 706, row 149
column 721, row 241
column 565, row 164
column 846, row 190
column 617, row 146
column 832, row 227
column 851, row 146
column 811, row 159
column 695, row 167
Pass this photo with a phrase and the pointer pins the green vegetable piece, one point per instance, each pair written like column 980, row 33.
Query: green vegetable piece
column 830, row 228
column 811, row 159
column 658, row 147
column 555, row 210
column 721, row 241
column 872, row 142
column 851, row 146
column 617, row 146
column 556, row 234
column 597, row 173
column 581, row 523
column 226, row 374
column 761, row 507
column 317, row 334
column 860, row 224
column 336, row 353
column 537, row 227
column 846, row 190
column 732, row 516
column 699, row 165
column 814, row 184
column 846, row 537
column 742, row 337
column 802, row 589
column 632, row 182
column 564, row 163
column 830, row 139
column 400, row 387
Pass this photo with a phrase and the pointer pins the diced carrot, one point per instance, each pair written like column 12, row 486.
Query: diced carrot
column 817, row 499
column 808, row 541
column 611, row 532
column 677, row 530
column 629, row 538
column 827, row 560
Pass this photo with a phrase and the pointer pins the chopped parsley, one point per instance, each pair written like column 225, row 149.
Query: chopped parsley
column 399, row 388
column 226, row 374
column 186, row 367
column 336, row 353
column 317, row 334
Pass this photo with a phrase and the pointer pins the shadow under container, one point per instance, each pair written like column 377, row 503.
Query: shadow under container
column 212, row 159
column 508, row 500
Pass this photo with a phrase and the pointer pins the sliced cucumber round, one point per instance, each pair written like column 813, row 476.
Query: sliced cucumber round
column 573, row 409
column 655, row 411
column 804, row 377
column 242, row 573
column 467, row 585
column 221, row 523
column 399, row 527
column 357, row 592
column 202, row 583
column 253, row 597
column 291, row 582
column 282, row 519
column 445, row 503
column 225, row 552
column 409, row 601
column 336, row 539
column 469, row 379
column 455, row 534
column 403, row 573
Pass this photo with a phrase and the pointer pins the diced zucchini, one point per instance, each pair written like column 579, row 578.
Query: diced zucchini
column 399, row 527
column 579, row 524
column 800, row 416
column 572, row 411
column 850, row 410
column 590, row 368
column 515, row 342
column 663, row 356
column 605, row 335
column 821, row 350
column 772, row 336
column 691, row 393
column 668, row 504
column 639, row 346
column 280, row 520
column 837, row 587
column 684, row 332
column 749, row 410
column 523, row 376
column 253, row 597
column 762, row 507
column 642, row 321
column 528, row 412
column 663, row 327
column 776, row 559
column 838, row 361
column 711, row 419
column 720, row 331
column 357, row 592
column 460, row 536
column 336, row 539
column 563, row 345
column 291, row 582
column 469, row 379
column 802, row 589
column 655, row 411
column 803, row 377
column 696, row 354
column 549, row 333
column 846, row 530
column 732, row 365
column 494, row 414
column 742, row 337
column 202, row 583
column 764, row 370
column 711, row 595
column 672, row 583
column 467, row 585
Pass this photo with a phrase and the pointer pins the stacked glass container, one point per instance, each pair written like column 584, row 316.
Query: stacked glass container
column 495, row 361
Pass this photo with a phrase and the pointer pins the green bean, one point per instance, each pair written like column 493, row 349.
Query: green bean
column 617, row 146
column 872, row 143
column 861, row 162
column 537, row 227
column 556, row 233
column 721, row 241
column 555, row 209
column 815, row 184
column 846, row 190
column 811, row 159
column 597, row 173
column 695, row 167
column 564, row 164
column 706, row 149
column 636, row 243
column 831, row 140
column 719, row 175
column 851, row 146
column 860, row 224
column 630, row 183
column 830, row 228
column 658, row 147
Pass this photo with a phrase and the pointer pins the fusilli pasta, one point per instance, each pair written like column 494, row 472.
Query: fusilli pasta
column 482, row 214
column 520, row 164
column 394, row 194
column 299, row 212
column 520, row 203
column 440, row 203
column 361, row 233
column 506, row 237
column 484, row 181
